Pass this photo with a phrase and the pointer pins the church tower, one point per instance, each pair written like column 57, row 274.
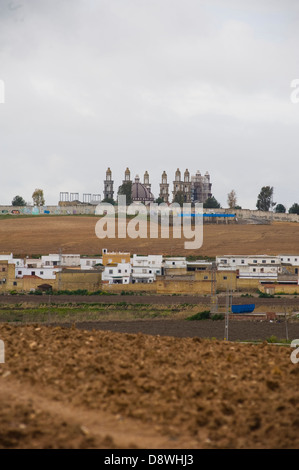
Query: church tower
column 187, row 186
column 207, row 187
column 164, row 194
column 201, row 187
column 108, row 185
column 127, row 176
column 146, row 181
column 178, row 185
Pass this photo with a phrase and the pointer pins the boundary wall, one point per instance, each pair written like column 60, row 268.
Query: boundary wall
column 245, row 215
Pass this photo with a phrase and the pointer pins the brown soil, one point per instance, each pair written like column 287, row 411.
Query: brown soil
column 75, row 234
column 238, row 330
column 70, row 388
column 262, row 303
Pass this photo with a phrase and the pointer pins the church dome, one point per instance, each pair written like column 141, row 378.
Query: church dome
column 141, row 193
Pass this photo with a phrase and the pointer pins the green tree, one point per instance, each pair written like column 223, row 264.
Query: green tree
column 264, row 199
column 179, row 198
column 126, row 190
column 280, row 209
column 109, row 200
column 18, row 201
column 38, row 197
column 294, row 209
column 211, row 203
column 159, row 200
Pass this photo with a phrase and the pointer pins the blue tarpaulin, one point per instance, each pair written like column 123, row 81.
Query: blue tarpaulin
column 246, row 308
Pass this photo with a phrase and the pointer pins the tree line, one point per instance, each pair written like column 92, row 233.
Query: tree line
column 264, row 200
column 37, row 197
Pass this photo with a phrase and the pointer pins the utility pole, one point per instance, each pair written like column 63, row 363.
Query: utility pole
column 286, row 323
column 49, row 304
column 59, row 274
column 214, row 300
column 226, row 315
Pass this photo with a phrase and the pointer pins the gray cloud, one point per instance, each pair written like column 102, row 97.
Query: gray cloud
column 152, row 85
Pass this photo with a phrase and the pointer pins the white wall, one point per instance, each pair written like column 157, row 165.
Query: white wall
column 236, row 262
column 290, row 259
column 120, row 272
column 43, row 272
column 175, row 262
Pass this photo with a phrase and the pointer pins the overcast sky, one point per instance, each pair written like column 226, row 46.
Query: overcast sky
column 153, row 85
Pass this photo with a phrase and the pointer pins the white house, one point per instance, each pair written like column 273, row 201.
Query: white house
column 293, row 260
column 89, row 263
column 175, row 262
column 146, row 268
column 251, row 267
column 69, row 260
column 42, row 272
column 267, row 271
column 117, row 273
column 199, row 265
column 51, row 260
column 231, row 262
column 12, row 260
column 8, row 257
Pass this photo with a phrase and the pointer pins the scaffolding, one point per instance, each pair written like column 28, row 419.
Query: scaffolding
column 95, row 199
column 64, row 196
column 74, row 197
column 86, row 198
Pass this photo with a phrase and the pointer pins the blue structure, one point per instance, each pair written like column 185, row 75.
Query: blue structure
column 208, row 215
column 246, row 308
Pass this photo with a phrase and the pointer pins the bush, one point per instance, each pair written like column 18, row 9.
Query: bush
column 72, row 292
column 272, row 339
column 205, row 315
column 217, row 316
column 102, row 292
column 264, row 295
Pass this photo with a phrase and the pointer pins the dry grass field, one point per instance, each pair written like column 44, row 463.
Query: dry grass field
column 76, row 234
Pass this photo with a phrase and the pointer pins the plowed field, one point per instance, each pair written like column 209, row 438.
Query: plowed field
column 75, row 234
column 70, row 388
